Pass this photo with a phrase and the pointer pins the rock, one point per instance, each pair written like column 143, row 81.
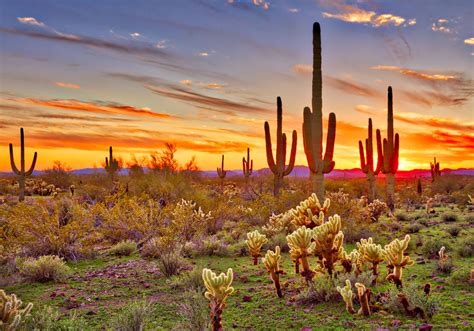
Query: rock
column 247, row 298
column 425, row 327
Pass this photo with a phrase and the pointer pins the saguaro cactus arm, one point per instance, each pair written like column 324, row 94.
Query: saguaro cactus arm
column 220, row 171
column 22, row 158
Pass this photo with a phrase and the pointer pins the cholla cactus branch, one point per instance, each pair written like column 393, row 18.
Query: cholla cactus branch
column 218, row 290
column 255, row 241
column 347, row 296
column 372, row 253
column 301, row 246
column 22, row 173
column 394, row 254
column 364, row 298
column 329, row 238
column 309, row 212
column 11, row 313
column 272, row 263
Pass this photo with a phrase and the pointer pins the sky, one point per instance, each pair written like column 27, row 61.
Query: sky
column 80, row 76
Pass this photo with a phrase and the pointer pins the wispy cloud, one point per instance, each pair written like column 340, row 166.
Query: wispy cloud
column 419, row 74
column 439, row 123
column 364, row 109
column 352, row 87
column 354, row 14
column 94, row 107
column 67, row 85
column 302, row 69
column 442, row 25
column 469, row 41
column 30, row 21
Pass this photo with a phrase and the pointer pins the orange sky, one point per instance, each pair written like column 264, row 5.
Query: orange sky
column 136, row 81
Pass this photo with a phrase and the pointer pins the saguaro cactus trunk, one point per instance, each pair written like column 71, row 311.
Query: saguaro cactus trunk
column 22, row 173
column 313, row 125
column 435, row 170
column 389, row 150
column 367, row 163
column 278, row 168
column 111, row 164
column 222, row 173
column 247, row 168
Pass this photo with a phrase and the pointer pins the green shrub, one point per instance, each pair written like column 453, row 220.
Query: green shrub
column 415, row 296
column 321, row 290
column 432, row 246
column 402, row 216
column 454, row 230
column 460, row 276
column 423, row 221
column 123, row 248
column 49, row 319
column 153, row 248
column 466, row 247
column 191, row 280
column 193, row 312
column 413, row 228
column 170, row 263
column 133, row 316
column 449, row 217
column 44, row 268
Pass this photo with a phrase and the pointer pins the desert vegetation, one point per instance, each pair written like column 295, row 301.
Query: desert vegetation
column 165, row 247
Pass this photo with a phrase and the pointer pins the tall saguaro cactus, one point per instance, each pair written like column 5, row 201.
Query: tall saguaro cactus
column 367, row 162
column 435, row 170
column 247, row 165
column 278, row 168
column 389, row 150
column 222, row 173
column 313, row 125
column 111, row 164
column 22, row 173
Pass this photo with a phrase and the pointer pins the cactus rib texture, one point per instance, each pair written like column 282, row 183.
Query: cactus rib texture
column 22, row 173
column 218, row 290
column 313, row 125
column 277, row 164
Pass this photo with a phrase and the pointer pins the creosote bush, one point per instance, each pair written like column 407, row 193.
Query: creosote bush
column 133, row 316
column 43, row 269
column 449, row 217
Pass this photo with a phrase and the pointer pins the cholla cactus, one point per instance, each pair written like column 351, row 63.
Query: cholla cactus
column 309, row 212
column 364, row 297
column 190, row 219
column 371, row 253
column 376, row 208
column 471, row 199
column 394, row 255
column 429, row 206
column 272, row 263
column 443, row 258
column 301, row 247
column 218, row 290
column 279, row 223
column 255, row 241
column 328, row 238
column 347, row 295
column 10, row 312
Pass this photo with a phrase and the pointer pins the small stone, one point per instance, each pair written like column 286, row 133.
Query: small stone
column 425, row 327
column 306, row 328
column 247, row 298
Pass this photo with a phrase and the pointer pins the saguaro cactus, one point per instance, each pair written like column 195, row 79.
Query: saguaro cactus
column 313, row 125
column 389, row 151
column 367, row 162
column 222, row 173
column 111, row 164
column 247, row 165
column 278, row 168
column 22, row 173
column 435, row 170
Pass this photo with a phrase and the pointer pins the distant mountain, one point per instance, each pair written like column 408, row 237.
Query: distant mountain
column 298, row 171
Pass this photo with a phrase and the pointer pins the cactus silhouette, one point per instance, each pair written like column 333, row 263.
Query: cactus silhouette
column 313, row 125
column 435, row 170
column 222, row 173
column 247, row 165
column 278, row 168
column 367, row 162
column 111, row 164
column 22, row 173
column 389, row 151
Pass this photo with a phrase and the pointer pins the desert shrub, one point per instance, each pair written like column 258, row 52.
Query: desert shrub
column 214, row 246
column 432, row 246
column 356, row 233
column 33, row 229
column 402, row 216
column 278, row 240
column 413, row 228
column 321, row 290
column 423, row 221
column 191, row 280
column 466, row 247
column 49, row 319
column 133, row 316
column 469, row 219
column 460, row 276
column 376, row 209
column 44, row 268
column 416, row 297
column 449, row 217
column 123, row 248
column 170, row 263
column 152, row 248
column 193, row 312
column 363, row 278
column 454, row 230
column 445, row 267
column 189, row 220
column 239, row 248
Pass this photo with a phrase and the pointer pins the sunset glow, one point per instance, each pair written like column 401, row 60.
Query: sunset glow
column 80, row 76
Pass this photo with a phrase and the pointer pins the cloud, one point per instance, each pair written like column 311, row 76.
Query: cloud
column 214, row 85
column 364, row 109
column 262, row 3
column 201, row 100
column 67, row 85
column 353, row 14
column 203, row 54
column 441, row 25
column 469, row 41
column 186, row 82
column 412, row 21
column 162, row 44
column 30, row 21
column 303, row 69
column 293, row 10
column 135, row 35
column 423, row 75
column 440, row 123
column 352, row 87
column 94, row 107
